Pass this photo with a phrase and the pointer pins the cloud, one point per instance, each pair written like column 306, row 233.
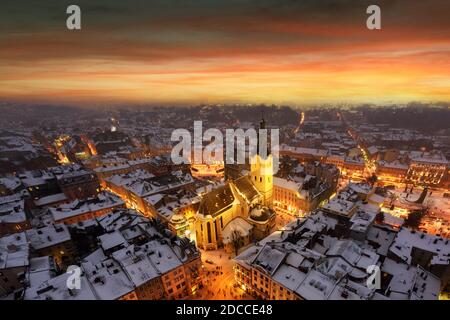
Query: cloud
column 190, row 50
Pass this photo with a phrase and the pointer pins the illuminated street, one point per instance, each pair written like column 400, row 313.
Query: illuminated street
column 219, row 278
column 186, row 151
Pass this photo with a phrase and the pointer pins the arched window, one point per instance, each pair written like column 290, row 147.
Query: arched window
column 208, row 228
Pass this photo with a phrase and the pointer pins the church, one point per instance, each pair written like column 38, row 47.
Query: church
column 240, row 211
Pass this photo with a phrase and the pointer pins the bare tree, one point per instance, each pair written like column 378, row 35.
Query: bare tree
column 236, row 240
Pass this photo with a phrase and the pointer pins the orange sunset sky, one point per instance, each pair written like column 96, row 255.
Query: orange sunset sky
column 207, row 51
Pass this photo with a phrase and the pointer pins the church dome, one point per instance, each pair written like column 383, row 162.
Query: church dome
column 261, row 214
column 178, row 219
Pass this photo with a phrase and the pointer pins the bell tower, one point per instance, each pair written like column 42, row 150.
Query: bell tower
column 261, row 169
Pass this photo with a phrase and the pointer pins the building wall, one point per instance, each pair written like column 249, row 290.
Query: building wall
column 261, row 284
column 262, row 177
column 151, row 290
column 288, row 199
column 129, row 296
column 280, row 292
column 89, row 215
column 10, row 279
column 10, row 228
column 82, row 189
column 243, row 276
column 63, row 253
column 175, row 285
column 429, row 174
column 194, row 275
column 209, row 229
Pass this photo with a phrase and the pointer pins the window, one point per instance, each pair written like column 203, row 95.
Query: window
column 208, row 227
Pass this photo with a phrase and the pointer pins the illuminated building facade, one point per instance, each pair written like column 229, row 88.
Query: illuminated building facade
column 236, row 200
column 427, row 173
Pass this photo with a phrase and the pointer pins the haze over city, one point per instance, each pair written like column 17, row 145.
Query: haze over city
column 224, row 150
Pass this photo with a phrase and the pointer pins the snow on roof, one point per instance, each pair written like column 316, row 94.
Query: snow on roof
column 95, row 257
column 362, row 219
column 56, row 289
column 41, row 269
column 350, row 290
column 14, row 251
column 286, row 184
column 147, row 187
column 376, row 198
column 112, row 168
column 239, row 225
column 432, row 157
column 154, row 199
column 340, row 206
column 12, row 209
column 354, row 254
column 162, row 256
column 410, row 282
column 394, row 164
column 372, row 150
column 104, row 200
column 407, row 239
column 363, row 188
column 51, row 199
column 48, row 236
column 10, row 183
column 289, row 277
column 107, row 279
column 131, row 232
column 248, row 255
column 136, row 264
column 382, row 237
column 111, row 240
column 392, row 220
column 269, row 258
column 309, row 151
column 316, row 286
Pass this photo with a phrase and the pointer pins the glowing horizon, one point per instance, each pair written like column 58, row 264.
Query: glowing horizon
column 209, row 52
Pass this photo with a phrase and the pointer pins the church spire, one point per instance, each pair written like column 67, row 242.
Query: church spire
column 263, row 125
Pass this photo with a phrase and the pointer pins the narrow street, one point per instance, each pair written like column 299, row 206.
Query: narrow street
column 219, row 278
